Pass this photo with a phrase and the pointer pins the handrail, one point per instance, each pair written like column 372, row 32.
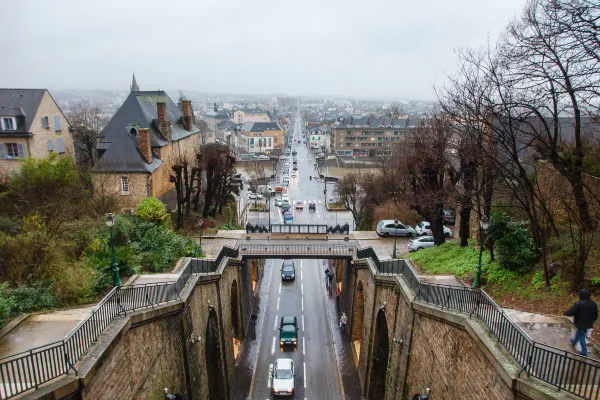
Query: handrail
column 562, row 369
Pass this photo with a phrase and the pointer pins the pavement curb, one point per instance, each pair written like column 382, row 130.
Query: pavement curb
column 13, row 324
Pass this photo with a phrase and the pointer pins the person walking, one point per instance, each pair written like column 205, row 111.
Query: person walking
column 584, row 313
column 343, row 321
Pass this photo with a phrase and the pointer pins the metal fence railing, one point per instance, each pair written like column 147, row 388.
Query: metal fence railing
column 297, row 228
column 562, row 369
column 30, row 369
column 305, row 250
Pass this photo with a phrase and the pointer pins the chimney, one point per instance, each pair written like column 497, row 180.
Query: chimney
column 186, row 106
column 144, row 143
column 163, row 124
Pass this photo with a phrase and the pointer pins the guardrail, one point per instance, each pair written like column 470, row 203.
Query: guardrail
column 29, row 369
column 305, row 250
column 562, row 369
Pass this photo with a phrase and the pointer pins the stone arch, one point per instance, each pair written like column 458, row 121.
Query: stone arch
column 379, row 359
column 214, row 359
column 236, row 320
column 359, row 312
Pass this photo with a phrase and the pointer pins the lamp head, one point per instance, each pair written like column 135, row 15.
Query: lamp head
column 110, row 220
column 485, row 223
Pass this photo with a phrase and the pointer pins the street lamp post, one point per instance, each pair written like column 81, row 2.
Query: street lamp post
column 228, row 216
column 110, row 222
column 484, row 223
column 396, row 223
column 268, row 201
column 200, row 223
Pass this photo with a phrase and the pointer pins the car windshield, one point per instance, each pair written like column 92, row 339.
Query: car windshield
column 420, row 225
column 380, row 223
column 288, row 328
column 283, row 374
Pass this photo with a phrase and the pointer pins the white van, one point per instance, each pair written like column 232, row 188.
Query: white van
column 265, row 189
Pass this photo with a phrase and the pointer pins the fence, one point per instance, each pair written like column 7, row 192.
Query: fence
column 563, row 369
column 304, row 250
column 30, row 369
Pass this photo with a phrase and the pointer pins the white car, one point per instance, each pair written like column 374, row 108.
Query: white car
column 263, row 157
column 294, row 174
column 424, row 229
column 255, row 196
column 420, row 243
column 283, row 377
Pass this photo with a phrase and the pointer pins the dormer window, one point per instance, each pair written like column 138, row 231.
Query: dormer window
column 9, row 124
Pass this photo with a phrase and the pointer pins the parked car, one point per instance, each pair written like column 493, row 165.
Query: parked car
column 449, row 217
column 278, row 189
column 420, row 243
column 299, row 205
column 288, row 331
column 424, row 229
column 283, row 377
column 287, row 152
column 286, row 180
column 255, row 196
column 285, row 205
column 278, row 202
column 288, row 217
column 263, row 157
column 295, row 168
column 288, row 270
column 320, row 156
column 286, row 165
column 312, row 206
column 294, row 152
column 390, row 227
column 252, row 156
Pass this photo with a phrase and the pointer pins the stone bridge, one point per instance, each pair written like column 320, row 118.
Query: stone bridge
column 185, row 335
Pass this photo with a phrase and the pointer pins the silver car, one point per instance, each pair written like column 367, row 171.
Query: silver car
column 283, row 377
column 424, row 229
column 420, row 243
column 390, row 227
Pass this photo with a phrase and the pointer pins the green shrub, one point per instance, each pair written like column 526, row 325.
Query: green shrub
column 32, row 298
column 513, row 243
column 6, row 303
column 152, row 209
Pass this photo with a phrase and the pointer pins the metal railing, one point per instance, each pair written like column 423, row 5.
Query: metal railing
column 297, row 228
column 29, row 369
column 562, row 369
column 306, row 250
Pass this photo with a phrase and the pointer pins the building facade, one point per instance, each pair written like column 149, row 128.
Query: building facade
column 31, row 125
column 369, row 137
column 320, row 137
column 250, row 115
column 141, row 143
column 260, row 137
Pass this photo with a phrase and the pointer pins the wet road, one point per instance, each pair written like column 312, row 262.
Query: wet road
column 302, row 188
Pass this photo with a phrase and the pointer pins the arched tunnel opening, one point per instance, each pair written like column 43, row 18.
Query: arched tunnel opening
column 379, row 359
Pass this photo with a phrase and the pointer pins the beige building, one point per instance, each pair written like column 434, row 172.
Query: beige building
column 141, row 143
column 260, row 137
column 31, row 125
column 246, row 115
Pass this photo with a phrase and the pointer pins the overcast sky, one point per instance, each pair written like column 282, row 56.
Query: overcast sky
column 392, row 48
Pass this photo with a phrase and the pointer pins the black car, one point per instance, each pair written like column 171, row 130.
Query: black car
column 294, row 152
column 449, row 217
column 288, row 270
column 312, row 206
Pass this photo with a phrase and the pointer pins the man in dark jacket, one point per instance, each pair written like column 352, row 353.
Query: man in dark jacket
column 584, row 313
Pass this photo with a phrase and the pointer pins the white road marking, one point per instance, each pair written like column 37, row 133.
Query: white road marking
column 301, row 275
column 304, row 375
column 303, row 324
column 279, row 287
column 303, row 345
column 275, row 326
column 302, row 288
column 300, row 264
column 278, row 298
column 302, row 304
column 270, row 375
column 273, row 346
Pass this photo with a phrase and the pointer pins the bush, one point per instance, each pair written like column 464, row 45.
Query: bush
column 151, row 210
column 513, row 243
column 6, row 304
column 32, row 298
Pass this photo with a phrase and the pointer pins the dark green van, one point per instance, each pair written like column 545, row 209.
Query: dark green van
column 288, row 331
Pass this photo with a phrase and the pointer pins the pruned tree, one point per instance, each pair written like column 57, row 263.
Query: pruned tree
column 185, row 177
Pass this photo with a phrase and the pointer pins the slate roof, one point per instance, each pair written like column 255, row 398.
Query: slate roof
column 139, row 110
column 377, row 123
column 228, row 125
column 21, row 103
column 261, row 126
column 253, row 111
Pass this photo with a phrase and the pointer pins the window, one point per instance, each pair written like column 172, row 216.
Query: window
column 124, row 185
column 50, row 146
column 60, row 145
column 11, row 150
column 395, row 132
column 57, row 123
column 45, row 123
column 9, row 124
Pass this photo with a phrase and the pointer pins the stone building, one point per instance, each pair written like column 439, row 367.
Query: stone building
column 260, row 137
column 138, row 147
column 250, row 115
column 31, row 125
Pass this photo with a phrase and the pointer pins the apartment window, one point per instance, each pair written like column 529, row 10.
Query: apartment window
column 11, row 150
column 9, row 124
column 349, row 133
column 45, row 122
column 57, row 123
column 395, row 132
column 124, row 185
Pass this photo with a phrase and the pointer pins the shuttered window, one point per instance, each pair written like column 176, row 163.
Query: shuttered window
column 2, row 152
column 50, row 145
column 57, row 123
column 60, row 145
column 45, row 123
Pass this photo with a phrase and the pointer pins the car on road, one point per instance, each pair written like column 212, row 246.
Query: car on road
column 288, row 270
column 285, row 205
column 286, row 180
column 287, row 152
column 286, row 165
column 288, row 217
column 420, row 243
column 312, row 206
column 390, row 227
column 424, row 229
column 278, row 202
column 255, row 196
column 294, row 173
column 283, row 377
column 320, row 156
column 449, row 217
column 278, row 189
column 288, row 331
column 294, row 153
column 299, row 205
column 263, row 157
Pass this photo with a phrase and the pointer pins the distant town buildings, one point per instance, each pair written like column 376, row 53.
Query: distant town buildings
column 260, row 137
column 288, row 103
column 31, row 125
column 250, row 115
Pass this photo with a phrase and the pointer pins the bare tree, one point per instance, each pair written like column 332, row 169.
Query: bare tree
column 349, row 191
column 185, row 177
